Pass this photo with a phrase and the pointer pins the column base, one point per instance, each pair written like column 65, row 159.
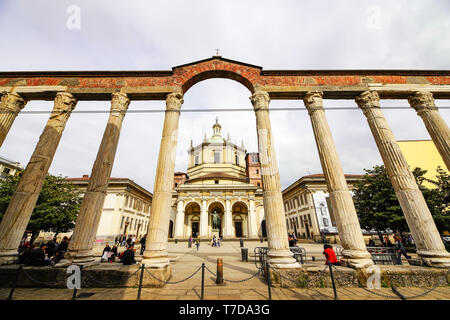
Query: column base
column 282, row 259
column 82, row 257
column 436, row 259
column 156, row 259
column 356, row 259
column 8, row 257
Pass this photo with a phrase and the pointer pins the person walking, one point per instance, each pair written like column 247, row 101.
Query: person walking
column 400, row 250
column 197, row 243
column 143, row 244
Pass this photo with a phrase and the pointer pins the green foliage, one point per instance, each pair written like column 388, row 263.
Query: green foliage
column 379, row 209
column 56, row 208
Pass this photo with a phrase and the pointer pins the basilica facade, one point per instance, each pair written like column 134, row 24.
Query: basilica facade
column 220, row 193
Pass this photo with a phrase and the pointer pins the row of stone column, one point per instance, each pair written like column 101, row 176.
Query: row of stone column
column 429, row 244
column 227, row 230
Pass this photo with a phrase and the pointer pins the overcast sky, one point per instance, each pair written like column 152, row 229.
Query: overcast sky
column 158, row 35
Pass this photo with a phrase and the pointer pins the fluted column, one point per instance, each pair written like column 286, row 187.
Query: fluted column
column 426, row 236
column 354, row 250
column 179, row 224
column 83, row 237
column 228, row 230
column 156, row 254
column 204, row 230
column 279, row 254
column 423, row 103
column 22, row 203
column 251, row 219
column 11, row 104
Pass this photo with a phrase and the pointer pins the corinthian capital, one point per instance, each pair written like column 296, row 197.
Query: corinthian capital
column 368, row 99
column 422, row 100
column 260, row 100
column 174, row 101
column 313, row 101
column 64, row 102
column 119, row 102
column 12, row 102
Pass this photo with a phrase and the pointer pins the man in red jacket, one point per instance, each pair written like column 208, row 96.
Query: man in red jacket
column 330, row 255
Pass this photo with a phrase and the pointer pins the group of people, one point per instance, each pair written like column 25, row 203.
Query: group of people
column 125, row 241
column 126, row 257
column 45, row 254
column 292, row 238
column 196, row 241
column 216, row 241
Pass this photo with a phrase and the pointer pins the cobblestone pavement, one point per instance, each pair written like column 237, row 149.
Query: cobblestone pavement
column 187, row 260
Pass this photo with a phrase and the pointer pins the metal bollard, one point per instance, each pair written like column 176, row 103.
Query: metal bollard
column 219, row 279
column 140, row 282
column 244, row 254
column 19, row 270
column 332, row 280
column 268, row 280
column 203, row 281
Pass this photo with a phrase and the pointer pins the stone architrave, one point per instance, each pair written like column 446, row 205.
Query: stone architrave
column 155, row 254
column 279, row 254
column 423, row 103
column 179, row 224
column 430, row 247
column 354, row 250
column 11, row 104
column 22, row 203
column 83, row 237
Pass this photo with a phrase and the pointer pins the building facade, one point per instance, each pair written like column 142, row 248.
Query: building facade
column 220, row 194
column 8, row 167
column 126, row 209
column 308, row 209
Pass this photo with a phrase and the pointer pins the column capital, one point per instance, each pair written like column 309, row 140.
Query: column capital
column 313, row 101
column 119, row 102
column 174, row 101
column 65, row 102
column 260, row 100
column 368, row 100
column 13, row 102
column 421, row 101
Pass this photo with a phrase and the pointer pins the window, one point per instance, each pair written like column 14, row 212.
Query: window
column 255, row 158
column 257, row 171
column 259, row 185
column 237, row 159
column 217, row 157
column 196, row 160
column 309, row 218
column 176, row 184
column 216, row 181
column 121, row 224
column 325, row 222
column 6, row 170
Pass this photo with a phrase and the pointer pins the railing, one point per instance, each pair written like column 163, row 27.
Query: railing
column 383, row 255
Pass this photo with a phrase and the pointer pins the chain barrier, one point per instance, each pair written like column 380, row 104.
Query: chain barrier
column 173, row 282
column 47, row 284
column 123, row 277
column 396, row 296
column 235, row 281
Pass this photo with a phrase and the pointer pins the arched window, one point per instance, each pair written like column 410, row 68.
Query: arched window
column 216, row 156
column 236, row 156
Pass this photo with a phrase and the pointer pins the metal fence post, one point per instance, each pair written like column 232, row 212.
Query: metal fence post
column 268, row 280
column 140, row 282
column 19, row 270
column 203, row 281
column 332, row 281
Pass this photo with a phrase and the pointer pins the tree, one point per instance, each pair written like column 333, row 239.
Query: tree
column 378, row 207
column 56, row 208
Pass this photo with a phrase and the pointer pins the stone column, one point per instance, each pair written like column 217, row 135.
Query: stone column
column 11, row 104
column 179, row 224
column 155, row 254
column 22, row 203
column 251, row 219
column 423, row 103
column 426, row 236
column 228, row 232
column 279, row 254
column 204, row 230
column 83, row 237
column 354, row 250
